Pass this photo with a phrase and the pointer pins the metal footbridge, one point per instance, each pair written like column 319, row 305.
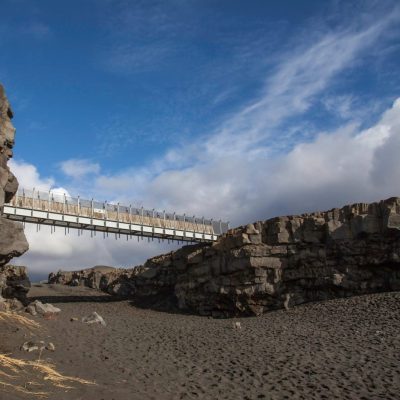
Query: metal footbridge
column 59, row 210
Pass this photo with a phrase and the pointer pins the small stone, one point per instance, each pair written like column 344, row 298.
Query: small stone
column 286, row 303
column 338, row 279
column 73, row 319
column 50, row 346
column 29, row 347
column 31, row 310
column 94, row 318
column 237, row 325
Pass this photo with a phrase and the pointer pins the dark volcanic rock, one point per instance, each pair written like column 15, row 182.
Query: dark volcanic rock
column 277, row 263
column 13, row 282
column 12, row 240
column 112, row 280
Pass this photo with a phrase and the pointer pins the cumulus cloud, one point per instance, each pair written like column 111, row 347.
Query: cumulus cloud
column 29, row 177
column 79, row 168
column 344, row 166
column 338, row 167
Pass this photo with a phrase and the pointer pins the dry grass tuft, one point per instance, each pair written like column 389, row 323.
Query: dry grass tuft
column 32, row 374
column 12, row 369
column 16, row 319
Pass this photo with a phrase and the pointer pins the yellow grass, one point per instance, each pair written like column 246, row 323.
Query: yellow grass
column 13, row 368
column 16, row 319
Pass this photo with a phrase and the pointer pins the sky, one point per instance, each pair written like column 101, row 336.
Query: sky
column 235, row 110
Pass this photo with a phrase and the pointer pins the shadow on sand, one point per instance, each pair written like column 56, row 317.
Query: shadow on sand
column 75, row 299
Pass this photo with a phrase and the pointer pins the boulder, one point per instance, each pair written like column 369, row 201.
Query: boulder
column 14, row 282
column 37, row 307
column 12, row 240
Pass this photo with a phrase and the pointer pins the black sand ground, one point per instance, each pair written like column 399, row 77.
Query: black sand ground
column 341, row 349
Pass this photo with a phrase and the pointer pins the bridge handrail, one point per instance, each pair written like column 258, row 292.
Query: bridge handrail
column 63, row 204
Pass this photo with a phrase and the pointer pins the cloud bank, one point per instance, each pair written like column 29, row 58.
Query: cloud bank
column 344, row 166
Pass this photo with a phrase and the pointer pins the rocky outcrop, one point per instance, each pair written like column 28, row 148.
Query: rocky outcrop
column 287, row 261
column 276, row 263
column 116, row 281
column 14, row 283
column 13, row 280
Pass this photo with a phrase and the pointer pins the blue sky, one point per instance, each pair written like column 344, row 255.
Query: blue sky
column 235, row 109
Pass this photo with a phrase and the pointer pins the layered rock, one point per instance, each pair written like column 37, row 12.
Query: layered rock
column 276, row 263
column 13, row 280
column 287, row 261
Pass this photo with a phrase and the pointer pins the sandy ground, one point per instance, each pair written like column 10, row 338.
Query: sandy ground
column 341, row 349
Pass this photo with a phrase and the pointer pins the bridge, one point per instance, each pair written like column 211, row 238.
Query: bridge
column 59, row 210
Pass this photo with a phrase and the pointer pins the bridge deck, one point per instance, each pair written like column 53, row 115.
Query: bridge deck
column 47, row 208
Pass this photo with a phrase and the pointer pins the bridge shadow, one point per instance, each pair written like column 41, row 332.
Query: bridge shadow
column 75, row 299
column 167, row 304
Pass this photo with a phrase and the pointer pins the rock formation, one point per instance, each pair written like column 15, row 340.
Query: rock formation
column 277, row 263
column 13, row 280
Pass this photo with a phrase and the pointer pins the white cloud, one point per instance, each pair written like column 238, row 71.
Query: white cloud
column 49, row 252
column 28, row 176
column 79, row 168
column 337, row 167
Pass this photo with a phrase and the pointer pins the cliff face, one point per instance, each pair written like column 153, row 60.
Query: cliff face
column 12, row 238
column 287, row 261
column 277, row 263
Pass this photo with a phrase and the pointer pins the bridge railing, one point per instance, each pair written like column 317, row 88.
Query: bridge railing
column 62, row 204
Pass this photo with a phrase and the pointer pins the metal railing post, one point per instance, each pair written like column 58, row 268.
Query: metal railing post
column 33, row 198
